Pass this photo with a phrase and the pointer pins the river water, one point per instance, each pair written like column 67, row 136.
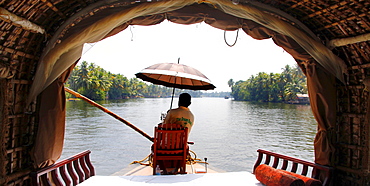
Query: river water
column 225, row 131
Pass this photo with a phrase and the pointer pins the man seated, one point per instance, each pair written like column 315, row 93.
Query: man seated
column 175, row 118
column 181, row 115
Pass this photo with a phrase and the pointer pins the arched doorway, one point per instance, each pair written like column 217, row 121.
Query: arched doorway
column 203, row 127
column 67, row 47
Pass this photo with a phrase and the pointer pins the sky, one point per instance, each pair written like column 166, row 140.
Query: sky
column 198, row 45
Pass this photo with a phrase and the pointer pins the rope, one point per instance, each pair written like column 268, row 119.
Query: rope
column 149, row 157
column 236, row 38
column 190, row 160
column 195, row 159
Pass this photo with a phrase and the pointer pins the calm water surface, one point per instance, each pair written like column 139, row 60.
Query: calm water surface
column 227, row 132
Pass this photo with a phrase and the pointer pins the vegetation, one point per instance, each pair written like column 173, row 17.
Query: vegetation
column 273, row 87
column 95, row 83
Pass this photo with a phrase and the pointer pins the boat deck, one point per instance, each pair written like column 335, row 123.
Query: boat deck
column 227, row 178
column 142, row 175
column 142, row 170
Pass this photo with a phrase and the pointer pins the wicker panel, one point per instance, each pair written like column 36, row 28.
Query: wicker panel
column 352, row 131
column 3, row 128
column 349, row 178
column 18, row 130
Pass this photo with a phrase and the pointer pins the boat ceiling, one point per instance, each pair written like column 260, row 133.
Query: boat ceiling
column 48, row 35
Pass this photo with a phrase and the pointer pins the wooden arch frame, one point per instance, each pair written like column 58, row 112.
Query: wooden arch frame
column 65, row 49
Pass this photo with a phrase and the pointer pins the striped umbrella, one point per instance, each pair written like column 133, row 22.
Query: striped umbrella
column 177, row 76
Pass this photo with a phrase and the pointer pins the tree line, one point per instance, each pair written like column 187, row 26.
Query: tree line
column 96, row 83
column 272, row 87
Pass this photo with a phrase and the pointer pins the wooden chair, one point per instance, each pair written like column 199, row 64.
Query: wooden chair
column 170, row 149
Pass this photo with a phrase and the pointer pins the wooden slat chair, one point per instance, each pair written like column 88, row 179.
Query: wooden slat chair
column 170, row 149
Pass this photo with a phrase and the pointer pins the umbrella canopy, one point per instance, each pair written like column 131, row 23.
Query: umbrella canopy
column 176, row 75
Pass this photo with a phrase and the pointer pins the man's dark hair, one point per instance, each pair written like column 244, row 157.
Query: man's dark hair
column 184, row 99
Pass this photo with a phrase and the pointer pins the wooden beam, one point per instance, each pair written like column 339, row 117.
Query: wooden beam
column 349, row 40
column 51, row 6
column 15, row 52
column 19, row 21
column 350, row 18
column 359, row 66
column 330, row 8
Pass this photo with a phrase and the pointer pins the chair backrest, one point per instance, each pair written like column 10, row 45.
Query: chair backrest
column 169, row 126
column 170, row 149
column 169, row 139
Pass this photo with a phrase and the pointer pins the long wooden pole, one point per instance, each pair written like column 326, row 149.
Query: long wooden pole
column 19, row 21
column 108, row 112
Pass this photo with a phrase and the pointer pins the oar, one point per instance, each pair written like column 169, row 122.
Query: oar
column 108, row 112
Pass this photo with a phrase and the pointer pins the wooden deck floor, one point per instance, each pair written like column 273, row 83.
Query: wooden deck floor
column 143, row 170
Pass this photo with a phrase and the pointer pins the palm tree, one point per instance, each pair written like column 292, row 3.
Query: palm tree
column 119, row 85
column 82, row 79
column 230, row 83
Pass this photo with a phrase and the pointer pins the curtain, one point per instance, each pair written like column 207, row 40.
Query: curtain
column 51, row 123
column 322, row 93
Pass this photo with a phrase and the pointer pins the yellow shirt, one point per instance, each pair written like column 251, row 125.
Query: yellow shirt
column 181, row 116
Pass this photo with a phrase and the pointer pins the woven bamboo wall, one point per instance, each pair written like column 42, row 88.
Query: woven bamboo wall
column 17, row 121
column 351, row 136
column 351, row 139
column 344, row 19
column 17, row 129
column 20, row 50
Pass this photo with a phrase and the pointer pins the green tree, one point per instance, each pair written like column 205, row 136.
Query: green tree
column 96, row 83
column 273, row 87
column 119, row 85
column 90, row 80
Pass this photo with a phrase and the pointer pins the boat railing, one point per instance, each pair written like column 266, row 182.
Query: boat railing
column 302, row 167
column 70, row 171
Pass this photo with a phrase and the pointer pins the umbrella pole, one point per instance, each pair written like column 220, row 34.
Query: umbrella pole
column 173, row 92
column 108, row 112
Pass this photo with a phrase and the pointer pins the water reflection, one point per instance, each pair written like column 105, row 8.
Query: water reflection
column 227, row 132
